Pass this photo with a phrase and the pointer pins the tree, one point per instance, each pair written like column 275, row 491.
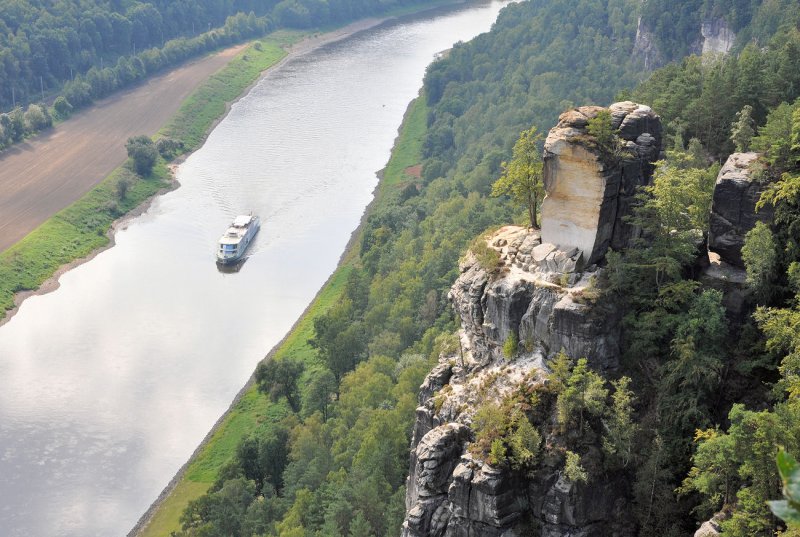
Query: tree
column 619, row 426
column 122, row 187
column 584, row 394
column 573, row 469
column 788, row 509
column 522, row 177
column 278, row 378
column 600, row 128
column 317, row 396
column 339, row 338
column 759, row 256
column 37, row 118
column 142, row 151
column 62, row 107
column 742, row 130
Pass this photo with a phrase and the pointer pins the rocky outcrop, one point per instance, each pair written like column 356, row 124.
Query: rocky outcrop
column 645, row 49
column 590, row 186
column 732, row 282
column 718, row 38
column 542, row 297
column 529, row 297
column 733, row 210
column 715, row 37
column 539, row 298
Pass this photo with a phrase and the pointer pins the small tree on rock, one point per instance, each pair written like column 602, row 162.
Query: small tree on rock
column 742, row 130
column 142, row 151
column 522, row 177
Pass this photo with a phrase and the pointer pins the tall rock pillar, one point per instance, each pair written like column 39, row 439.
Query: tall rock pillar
column 589, row 188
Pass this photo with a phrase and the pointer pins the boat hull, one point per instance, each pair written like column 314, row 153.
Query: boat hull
column 241, row 250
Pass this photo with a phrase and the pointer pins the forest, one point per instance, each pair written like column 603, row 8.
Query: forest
column 70, row 53
column 710, row 405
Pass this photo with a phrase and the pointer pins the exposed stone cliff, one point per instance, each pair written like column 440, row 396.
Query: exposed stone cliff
column 590, row 188
column 718, row 38
column 541, row 296
column 715, row 37
column 733, row 210
column 537, row 296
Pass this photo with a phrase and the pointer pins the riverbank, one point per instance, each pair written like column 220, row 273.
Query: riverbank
column 82, row 230
column 251, row 411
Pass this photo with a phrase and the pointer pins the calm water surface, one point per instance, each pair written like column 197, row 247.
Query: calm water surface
column 109, row 383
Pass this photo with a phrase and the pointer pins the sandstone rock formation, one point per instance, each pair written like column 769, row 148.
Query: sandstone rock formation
column 590, row 188
column 539, row 296
column 645, row 49
column 718, row 38
column 733, row 210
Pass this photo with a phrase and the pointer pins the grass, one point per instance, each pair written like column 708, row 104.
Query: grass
column 73, row 233
column 408, row 147
column 208, row 103
column 254, row 411
column 82, row 228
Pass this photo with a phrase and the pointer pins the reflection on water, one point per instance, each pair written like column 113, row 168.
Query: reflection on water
column 108, row 384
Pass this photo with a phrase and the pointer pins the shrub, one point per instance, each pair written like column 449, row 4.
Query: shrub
column 169, row 148
column 142, row 151
column 488, row 257
column 573, row 469
column 37, row 118
column 511, row 345
column 62, row 107
column 122, row 187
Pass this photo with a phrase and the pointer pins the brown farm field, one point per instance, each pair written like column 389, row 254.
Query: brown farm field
column 47, row 173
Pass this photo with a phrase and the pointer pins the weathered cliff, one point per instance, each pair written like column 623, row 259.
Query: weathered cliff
column 714, row 37
column 733, row 210
column 590, row 186
column 529, row 297
column 538, row 298
column 718, row 38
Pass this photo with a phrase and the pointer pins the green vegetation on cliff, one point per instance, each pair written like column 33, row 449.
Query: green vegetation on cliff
column 336, row 466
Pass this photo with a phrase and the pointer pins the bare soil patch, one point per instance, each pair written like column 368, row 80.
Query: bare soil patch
column 414, row 171
column 47, row 173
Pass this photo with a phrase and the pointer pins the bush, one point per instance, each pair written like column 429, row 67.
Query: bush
column 62, row 107
column 169, row 148
column 488, row 257
column 37, row 118
column 511, row 345
column 122, row 187
column 142, row 151
column 573, row 469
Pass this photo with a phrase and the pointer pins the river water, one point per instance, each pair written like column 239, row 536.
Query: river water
column 109, row 383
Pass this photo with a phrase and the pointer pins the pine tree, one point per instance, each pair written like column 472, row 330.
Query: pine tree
column 742, row 130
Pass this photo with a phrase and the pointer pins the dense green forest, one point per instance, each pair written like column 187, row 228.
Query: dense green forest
column 714, row 398
column 86, row 49
column 676, row 25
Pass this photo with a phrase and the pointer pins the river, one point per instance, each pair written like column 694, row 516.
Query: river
column 109, row 383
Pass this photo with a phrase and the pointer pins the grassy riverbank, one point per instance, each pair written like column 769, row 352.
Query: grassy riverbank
column 252, row 411
column 74, row 232
column 200, row 112
column 82, row 228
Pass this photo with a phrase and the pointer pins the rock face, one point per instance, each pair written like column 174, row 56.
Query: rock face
column 718, row 38
column 733, row 210
column 590, row 188
column 645, row 49
column 540, row 296
column 529, row 301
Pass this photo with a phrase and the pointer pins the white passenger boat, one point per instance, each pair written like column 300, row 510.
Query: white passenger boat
column 234, row 242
